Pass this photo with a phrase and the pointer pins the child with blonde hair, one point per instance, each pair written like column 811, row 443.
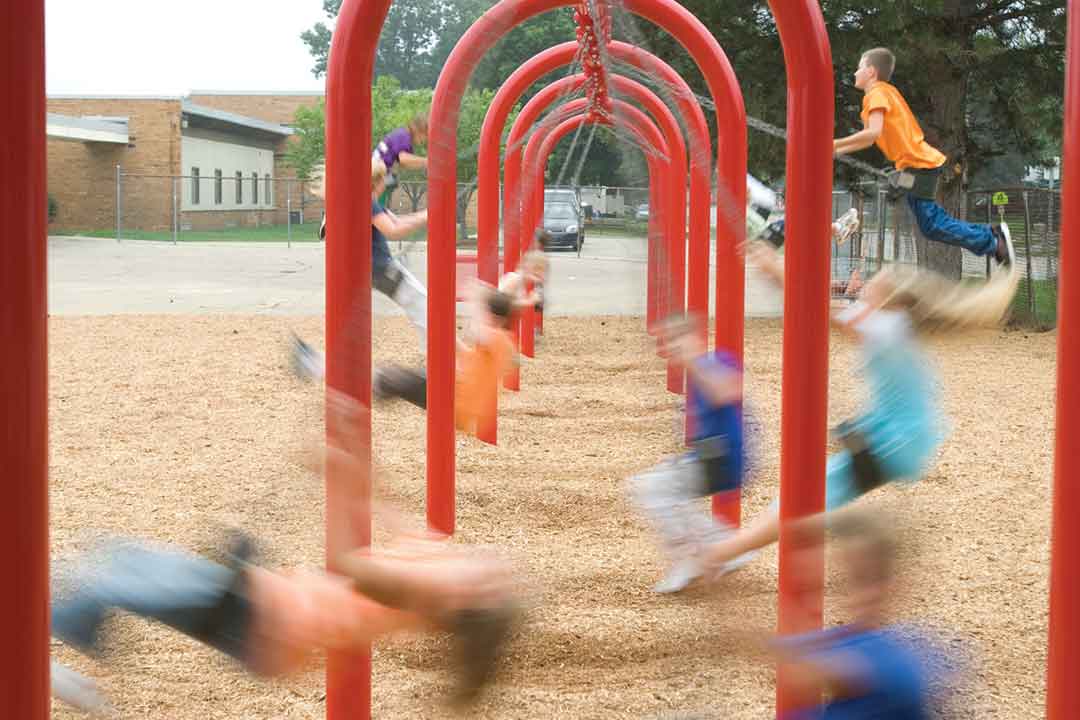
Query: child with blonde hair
column 896, row 436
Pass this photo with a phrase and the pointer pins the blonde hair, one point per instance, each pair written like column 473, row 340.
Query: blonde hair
column 378, row 170
column 419, row 123
column 936, row 303
column 882, row 60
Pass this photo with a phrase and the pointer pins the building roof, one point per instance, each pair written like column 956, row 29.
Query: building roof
column 261, row 93
column 87, row 129
column 231, row 121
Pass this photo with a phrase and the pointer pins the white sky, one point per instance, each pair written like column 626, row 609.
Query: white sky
column 155, row 47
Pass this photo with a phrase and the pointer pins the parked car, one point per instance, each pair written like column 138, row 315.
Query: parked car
column 565, row 224
column 563, row 195
column 642, row 212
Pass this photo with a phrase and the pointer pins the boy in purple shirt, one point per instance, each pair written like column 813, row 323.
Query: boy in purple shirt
column 398, row 148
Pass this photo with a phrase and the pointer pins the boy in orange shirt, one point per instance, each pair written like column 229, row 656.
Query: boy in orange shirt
column 481, row 363
column 890, row 124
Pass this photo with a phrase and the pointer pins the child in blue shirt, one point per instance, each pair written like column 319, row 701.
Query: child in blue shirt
column 867, row 669
column 715, row 464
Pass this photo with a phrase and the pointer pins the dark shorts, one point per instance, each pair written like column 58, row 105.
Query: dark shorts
column 926, row 183
column 721, row 468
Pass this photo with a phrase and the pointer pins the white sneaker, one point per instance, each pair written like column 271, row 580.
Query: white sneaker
column 78, row 691
column 846, row 226
column 678, row 576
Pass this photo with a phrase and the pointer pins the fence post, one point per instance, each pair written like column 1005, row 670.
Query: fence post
column 989, row 221
column 1027, row 251
column 175, row 213
column 119, row 203
column 883, row 221
column 288, row 211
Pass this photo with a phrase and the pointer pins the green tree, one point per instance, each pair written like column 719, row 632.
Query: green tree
column 984, row 77
column 392, row 107
column 409, row 35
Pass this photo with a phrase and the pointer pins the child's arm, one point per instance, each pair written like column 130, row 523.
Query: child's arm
column 864, row 138
column 412, row 162
column 398, row 226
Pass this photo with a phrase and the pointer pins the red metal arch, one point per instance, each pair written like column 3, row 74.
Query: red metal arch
column 442, row 173
column 674, row 202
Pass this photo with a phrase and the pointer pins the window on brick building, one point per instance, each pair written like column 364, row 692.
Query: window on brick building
column 268, row 188
column 254, row 188
column 218, row 183
column 194, row 186
column 239, row 188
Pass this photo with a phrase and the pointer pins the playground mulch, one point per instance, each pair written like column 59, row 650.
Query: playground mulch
column 174, row 428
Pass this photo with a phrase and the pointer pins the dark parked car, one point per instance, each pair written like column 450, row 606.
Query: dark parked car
column 565, row 224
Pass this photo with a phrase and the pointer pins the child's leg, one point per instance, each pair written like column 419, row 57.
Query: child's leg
column 938, row 225
column 170, row 586
column 666, row 495
column 412, row 297
column 399, row 382
column 434, row 587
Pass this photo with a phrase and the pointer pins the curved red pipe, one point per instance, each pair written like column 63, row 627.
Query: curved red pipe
column 804, row 400
column 1063, row 657
column 442, row 175
column 674, row 194
column 348, row 300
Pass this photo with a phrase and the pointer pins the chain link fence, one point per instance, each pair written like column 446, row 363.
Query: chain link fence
column 180, row 208
column 888, row 234
column 268, row 209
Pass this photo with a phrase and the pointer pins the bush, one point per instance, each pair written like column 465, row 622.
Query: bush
column 54, row 208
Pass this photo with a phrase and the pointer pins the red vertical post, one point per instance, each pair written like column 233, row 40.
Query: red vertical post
column 806, row 319
column 348, row 301
column 24, row 607
column 1063, row 656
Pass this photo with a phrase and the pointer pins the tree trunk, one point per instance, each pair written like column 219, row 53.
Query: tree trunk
column 944, row 120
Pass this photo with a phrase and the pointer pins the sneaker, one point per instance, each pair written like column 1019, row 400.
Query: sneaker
column 679, row 576
column 846, row 226
column 307, row 363
column 78, row 691
column 481, row 634
column 774, row 233
column 1005, row 254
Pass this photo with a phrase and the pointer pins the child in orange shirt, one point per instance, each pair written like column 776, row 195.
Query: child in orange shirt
column 890, row 124
column 481, row 363
column 273, row 621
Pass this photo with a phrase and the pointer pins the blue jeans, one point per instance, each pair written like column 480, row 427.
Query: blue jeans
column 183, row 591
column 938, row 225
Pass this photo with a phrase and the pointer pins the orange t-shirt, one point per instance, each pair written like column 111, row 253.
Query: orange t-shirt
column 480, row 370
column 901, row 138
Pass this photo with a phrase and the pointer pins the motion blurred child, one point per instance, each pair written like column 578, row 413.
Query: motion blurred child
column 669, row 494
column 898, row 433
column 272, row 622
column 866, row 669
column 398, row 149
column 532, row 271
column 482, row 360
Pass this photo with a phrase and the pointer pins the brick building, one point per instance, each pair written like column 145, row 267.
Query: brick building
column 219, row 157
column 221, row 163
